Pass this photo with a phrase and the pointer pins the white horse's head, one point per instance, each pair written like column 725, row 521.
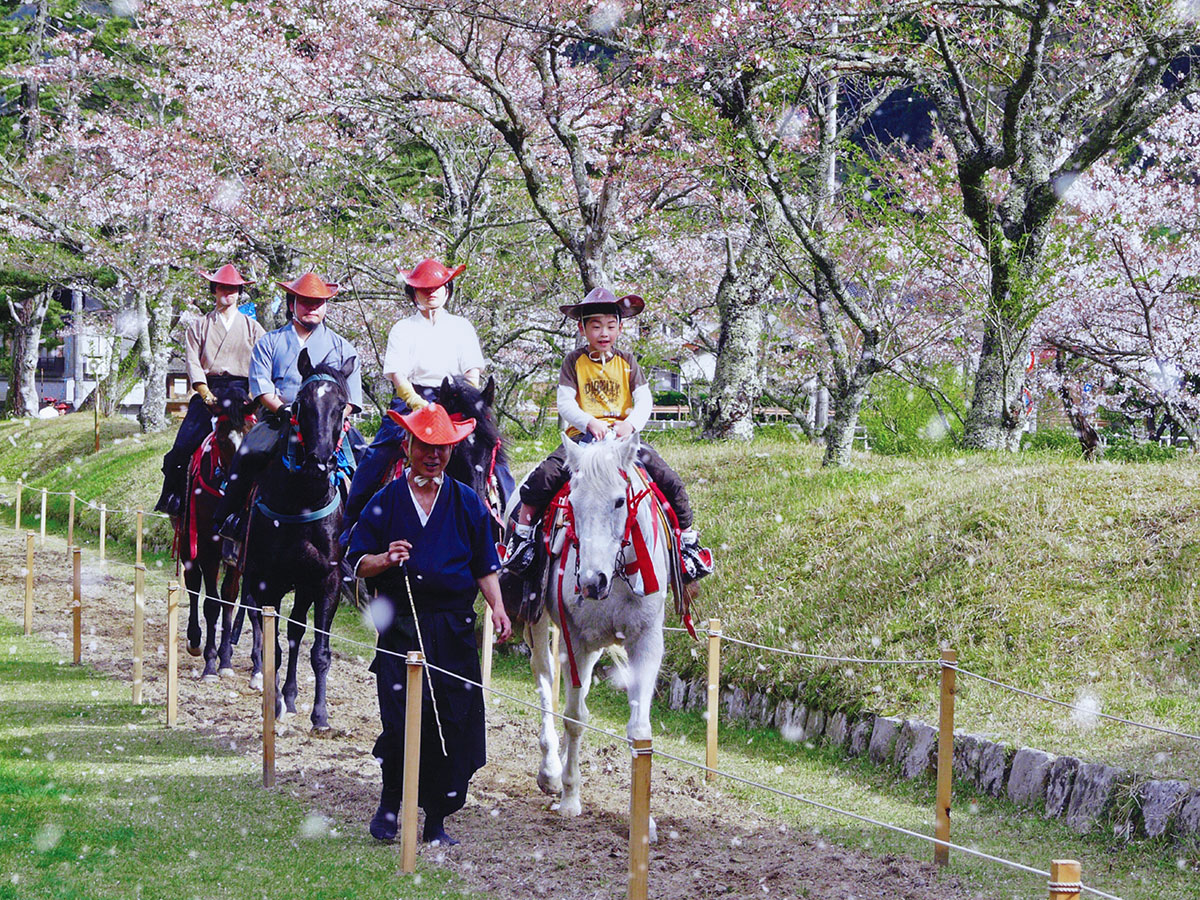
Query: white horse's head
column 598, row 501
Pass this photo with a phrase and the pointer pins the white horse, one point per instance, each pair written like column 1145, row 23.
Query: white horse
column 602, row 593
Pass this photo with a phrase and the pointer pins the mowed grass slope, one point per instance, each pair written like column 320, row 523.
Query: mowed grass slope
column 1060, row 577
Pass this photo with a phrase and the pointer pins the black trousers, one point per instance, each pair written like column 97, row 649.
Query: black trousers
column 450, row 643
column 549, row 477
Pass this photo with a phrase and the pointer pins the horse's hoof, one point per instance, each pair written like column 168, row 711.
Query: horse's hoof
column 209, row 678
column 283, row 715
column 653, row 831
column 256, row 681
column 569, row 809
column 550, row 784
column 193, row 651
column 226, row 673
column 322, row 730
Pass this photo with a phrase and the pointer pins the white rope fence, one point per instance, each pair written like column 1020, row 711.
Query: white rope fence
column 622, row 739
column 941, row 842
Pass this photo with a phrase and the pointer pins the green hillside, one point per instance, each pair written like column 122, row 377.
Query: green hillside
column 1060, row 577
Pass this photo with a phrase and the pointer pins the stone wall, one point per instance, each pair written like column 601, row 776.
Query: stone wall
column 1086, row 796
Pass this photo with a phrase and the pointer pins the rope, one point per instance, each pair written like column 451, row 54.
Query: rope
column 421, row 643
column 786, row 652
column 1090, row 712
column 896, row 828
column 748, row 782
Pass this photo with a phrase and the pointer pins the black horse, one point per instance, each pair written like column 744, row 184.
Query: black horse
column 199, row 543
column 295, row 520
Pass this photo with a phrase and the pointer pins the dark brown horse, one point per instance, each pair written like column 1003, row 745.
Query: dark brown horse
column 199, row 543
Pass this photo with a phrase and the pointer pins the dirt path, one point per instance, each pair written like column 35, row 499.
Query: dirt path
column 514, row 845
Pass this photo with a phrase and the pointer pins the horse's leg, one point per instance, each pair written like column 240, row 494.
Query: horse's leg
column 212, row 609
column 295, row 632
column 537, row 635
column 576, row 714
column 645, row 657
column 193, row 580
column 324, row 608
column 645, row 653
column 250, row 605
column 229, row 589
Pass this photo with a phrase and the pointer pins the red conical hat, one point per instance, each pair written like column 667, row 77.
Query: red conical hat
column 227, row 274
column 432, row 425
column 310, row 287
column 430, row 274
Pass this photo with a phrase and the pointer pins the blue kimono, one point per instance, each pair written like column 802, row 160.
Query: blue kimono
column 449, row 553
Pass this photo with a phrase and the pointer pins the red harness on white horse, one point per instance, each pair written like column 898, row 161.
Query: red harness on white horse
column 642, row 564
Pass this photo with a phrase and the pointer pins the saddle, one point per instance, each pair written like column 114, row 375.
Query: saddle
column 186, row 524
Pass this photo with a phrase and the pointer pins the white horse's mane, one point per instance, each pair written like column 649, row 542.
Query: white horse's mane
column 599, row 464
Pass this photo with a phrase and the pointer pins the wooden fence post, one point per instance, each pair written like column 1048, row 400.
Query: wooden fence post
column 140, row 517
column 412, row 762
column 103, row 521
column 172, row 651
column 489, row 640
column 639, row 821
column 556, row 667
column 71, row 522
column 945, row 758
column 268, row 664
column 17, row 523
column 43, row 519
column 1065, row 883
column 28, row 583
column 139, row 627
column 77, row 604
column 714, row 696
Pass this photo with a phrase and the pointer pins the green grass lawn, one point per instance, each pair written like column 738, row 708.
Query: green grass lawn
column 98, row 800
column 1062, row 577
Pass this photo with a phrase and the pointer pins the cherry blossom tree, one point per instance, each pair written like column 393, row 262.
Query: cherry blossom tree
column 1030, row 95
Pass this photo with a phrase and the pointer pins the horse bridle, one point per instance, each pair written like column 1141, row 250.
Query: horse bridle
column 295, row 438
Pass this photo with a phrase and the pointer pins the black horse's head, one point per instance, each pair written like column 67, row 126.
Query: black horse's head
column 234, row 404
column 319, row 411
column 474, row 460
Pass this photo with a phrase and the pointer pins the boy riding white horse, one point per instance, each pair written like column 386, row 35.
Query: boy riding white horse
column 602, row 389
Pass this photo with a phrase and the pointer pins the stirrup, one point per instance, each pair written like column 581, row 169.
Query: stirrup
column 522, row 553
column 697, row 561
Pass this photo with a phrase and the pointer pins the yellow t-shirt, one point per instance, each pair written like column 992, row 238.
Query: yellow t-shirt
column 603, row 390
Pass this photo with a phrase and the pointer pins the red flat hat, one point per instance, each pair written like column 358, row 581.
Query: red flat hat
column 227, row 274
column 309, row 287
column 432, row 425
column 430, row 274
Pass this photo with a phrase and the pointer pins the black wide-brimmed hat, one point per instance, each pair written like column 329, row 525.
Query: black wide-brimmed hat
column 603, row 302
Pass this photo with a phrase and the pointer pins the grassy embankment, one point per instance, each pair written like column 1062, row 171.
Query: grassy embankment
column 1061, row 577
column 905, row 529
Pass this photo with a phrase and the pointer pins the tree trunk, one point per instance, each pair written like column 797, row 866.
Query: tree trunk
column 155, row 355
column 729, row 412
column 847, row 402
column 994, row 421
column 23, row 397
column 28, row 315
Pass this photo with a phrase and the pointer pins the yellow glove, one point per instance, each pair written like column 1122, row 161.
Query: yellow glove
column 207, row 395
column 406, row 392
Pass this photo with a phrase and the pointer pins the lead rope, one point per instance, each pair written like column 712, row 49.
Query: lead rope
column 428, row 676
